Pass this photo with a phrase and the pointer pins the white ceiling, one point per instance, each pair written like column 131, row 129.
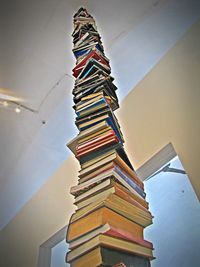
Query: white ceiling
column 36, row 63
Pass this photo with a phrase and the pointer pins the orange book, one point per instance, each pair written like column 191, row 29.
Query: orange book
column 104, row 168
column 109, row 230
column 95, row 140
column 118, row 205
column 98, row 143
column 99, row 217
column 88, row 168
column 108, row 187
column 110, row 242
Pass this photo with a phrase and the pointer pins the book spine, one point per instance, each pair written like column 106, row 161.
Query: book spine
column 119, row 233
column 130, row 182
column 96, row 148
column 95, row 140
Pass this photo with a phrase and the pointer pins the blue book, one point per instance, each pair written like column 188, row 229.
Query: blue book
column 111, row 123
column 130, row 182
column 85, row 50
column 86, row 109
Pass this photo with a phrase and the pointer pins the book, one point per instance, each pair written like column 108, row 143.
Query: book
column 112, row 231
column 86, row 83
column 109, row 117
column 92, row 70
column 94, row 81
column 99, row 82
column 118, row 205
column 93, row 137
column 98, row 152
column 111, row 213
column 86, row 49
column 105, row 188
column 93, row 107
column 91, row 63
column 118, row 157
column 93, row 54
column 121, row 264
column 110, row 242
column 81, row 39
column 81, row 28
column 112, row 172
column 85, row 104
column 117, row 174
column 86, row 134
column 86, row 101
column 99, row 217
column 107, row 166
column 107, row 257
column 101, row 143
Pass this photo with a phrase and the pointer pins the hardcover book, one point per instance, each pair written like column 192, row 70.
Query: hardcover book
column 111, row 213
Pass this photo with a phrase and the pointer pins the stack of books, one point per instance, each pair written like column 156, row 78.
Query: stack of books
column 107, row 227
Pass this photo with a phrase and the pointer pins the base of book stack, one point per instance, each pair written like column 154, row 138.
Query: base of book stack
column 108, row 225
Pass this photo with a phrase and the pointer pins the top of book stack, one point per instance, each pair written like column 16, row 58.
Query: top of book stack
column 111, row 207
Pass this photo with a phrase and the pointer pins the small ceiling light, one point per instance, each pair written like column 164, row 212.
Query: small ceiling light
column 17, row 110
column 5, row 103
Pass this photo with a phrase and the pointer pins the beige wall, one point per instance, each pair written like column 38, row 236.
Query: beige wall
column 163, row 108
column 46, row 213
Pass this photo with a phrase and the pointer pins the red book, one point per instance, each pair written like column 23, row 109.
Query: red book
column 123, row 234
column 94, row 54
column 96, row 147
column 95, row 140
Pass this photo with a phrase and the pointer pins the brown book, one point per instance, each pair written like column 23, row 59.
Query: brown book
column 106, row 188
column 90, row 167
column 88, row 132
column 98, row 218
column 110, row 242
column 111, row 231
column 112, row 173
column 106, row 167
column 118, row 205
column 93, row 135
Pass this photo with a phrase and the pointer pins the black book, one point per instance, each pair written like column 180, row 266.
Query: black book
column 82, row 12
column 114, row 104
column 84, row 27
column 106, row 115
column 105, row 85
column 83, row 31
column 107, row 257
column 94, row 81
column 86, row 83
column 111, row 257
column 91, row 116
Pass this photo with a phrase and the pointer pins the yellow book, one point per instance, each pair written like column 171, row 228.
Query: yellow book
column 110, row 242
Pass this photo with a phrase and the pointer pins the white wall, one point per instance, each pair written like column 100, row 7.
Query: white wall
column 164, row 107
